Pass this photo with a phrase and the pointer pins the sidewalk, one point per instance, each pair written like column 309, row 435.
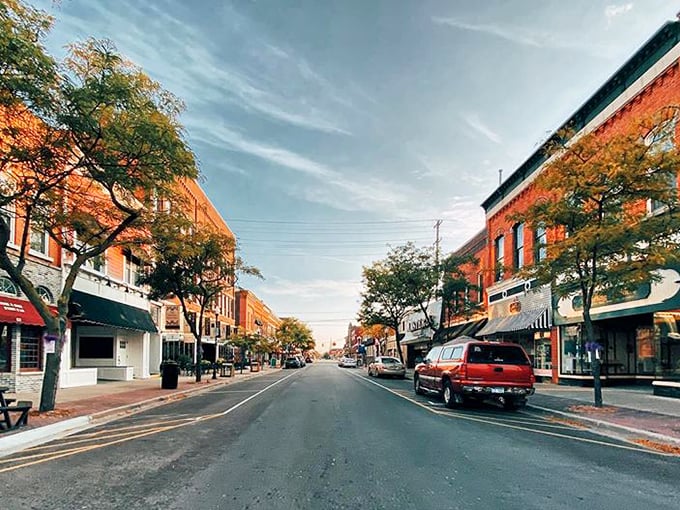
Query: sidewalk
column 78, row 408
column 630, row 411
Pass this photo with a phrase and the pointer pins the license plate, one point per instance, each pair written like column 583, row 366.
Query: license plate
column 497, row 390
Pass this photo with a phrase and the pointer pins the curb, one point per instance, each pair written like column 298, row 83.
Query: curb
column 609, row 425
column 33, row 437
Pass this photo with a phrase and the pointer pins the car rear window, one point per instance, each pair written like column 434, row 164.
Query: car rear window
column 390, row 361
column 506, row 354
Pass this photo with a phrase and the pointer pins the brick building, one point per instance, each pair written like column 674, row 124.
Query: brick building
column 640, row 335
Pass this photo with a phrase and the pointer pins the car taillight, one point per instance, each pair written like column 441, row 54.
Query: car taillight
column 463, row 370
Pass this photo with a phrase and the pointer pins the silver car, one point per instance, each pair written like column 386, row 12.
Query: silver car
column 387, row 366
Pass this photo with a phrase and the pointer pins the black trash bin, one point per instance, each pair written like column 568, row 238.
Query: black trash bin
column 169, row 375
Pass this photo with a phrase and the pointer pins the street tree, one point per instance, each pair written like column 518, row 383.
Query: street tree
column 604, row 242
column 410, row 279
column 194, row 264
column 294, row 334
column 387, row 297
column 84, row 150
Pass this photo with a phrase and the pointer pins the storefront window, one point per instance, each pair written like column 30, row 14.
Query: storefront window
column 574, row 359
column 5, row 348
column 30, row 357
column 666, row 344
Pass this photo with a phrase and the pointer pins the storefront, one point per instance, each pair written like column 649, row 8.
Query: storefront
column 417, row 334
column 113, row 337
column 639, row 333
column 520, row 312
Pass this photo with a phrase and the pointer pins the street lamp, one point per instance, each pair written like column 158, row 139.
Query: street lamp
column 217, row 334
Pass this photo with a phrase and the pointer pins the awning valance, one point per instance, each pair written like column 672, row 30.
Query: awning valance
column 90, row 309
column 19, row 311
column 528, row 320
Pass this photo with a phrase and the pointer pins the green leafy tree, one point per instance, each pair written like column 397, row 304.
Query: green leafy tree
column 294, row 334
column 387, row 298
column 604, row 240
column 194, row 264
column 409, row 279
column 85, row 148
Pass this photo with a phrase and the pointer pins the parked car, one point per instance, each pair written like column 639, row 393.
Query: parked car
column 291, row 362
column 386, row 366
column 348, row 362
column 309, row 359
column 467, row 369
column 301, row 360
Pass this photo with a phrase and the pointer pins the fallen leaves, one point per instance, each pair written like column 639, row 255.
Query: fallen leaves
column 661, row 447
column 55, row 413
column 592, row 409
column 565, row 421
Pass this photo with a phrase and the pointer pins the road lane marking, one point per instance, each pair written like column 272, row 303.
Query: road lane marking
column 84, row 449
column 507, row 425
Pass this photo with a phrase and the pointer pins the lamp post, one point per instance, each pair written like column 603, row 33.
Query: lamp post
column 216, row 335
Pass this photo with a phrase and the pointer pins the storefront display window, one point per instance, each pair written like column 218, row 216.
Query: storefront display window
column 666, row 341
column 5, row 347
column 31, row 353
column 574, row 359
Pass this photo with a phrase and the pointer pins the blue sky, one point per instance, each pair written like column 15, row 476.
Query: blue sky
column 328, row 130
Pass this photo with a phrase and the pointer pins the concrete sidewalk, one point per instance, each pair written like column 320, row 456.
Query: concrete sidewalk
column 81, row 407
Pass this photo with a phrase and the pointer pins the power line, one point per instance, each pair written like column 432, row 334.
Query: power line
column 292, row 222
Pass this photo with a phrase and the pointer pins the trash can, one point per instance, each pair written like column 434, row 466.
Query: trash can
column 169, row 375
column 273, row 362
column 227, row 370
column 254, row 366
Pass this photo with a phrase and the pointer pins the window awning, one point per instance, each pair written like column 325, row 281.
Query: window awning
column 416, row 340
column 104, row 312
column 19, row 311
column 528, row 320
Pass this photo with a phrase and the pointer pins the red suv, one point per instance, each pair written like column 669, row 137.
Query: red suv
column 467, row 369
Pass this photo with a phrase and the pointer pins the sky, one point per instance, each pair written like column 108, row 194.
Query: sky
column 328, row 131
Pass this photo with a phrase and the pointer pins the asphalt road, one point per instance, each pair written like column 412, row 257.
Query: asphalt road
column 322, row 437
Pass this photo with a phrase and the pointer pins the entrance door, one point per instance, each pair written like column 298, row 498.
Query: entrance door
column 122, row 353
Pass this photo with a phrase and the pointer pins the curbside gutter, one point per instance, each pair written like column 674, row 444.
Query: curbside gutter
column 18, row 441
column 612, row 427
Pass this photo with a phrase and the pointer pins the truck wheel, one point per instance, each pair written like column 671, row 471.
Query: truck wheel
column 451, row 398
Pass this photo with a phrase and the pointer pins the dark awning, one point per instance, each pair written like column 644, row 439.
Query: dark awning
column 89, row 309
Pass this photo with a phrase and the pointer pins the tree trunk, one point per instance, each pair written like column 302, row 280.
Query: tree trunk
column 595, row 365
column 199, row 358
column 50, row 383
column 398, row 337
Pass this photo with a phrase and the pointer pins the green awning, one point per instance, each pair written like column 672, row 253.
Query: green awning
column 89, row 309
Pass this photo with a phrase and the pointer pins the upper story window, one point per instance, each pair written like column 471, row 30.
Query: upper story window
column 518, row 243
column 40, row 242
column 45, row 294
column 7, row 286
column 7, row 214
column 480, row 288
column 540, row 242
column 97, row 263
column 498, row 252
column 662, row 139
column 132, row 269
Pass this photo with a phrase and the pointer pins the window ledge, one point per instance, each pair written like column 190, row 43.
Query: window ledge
column 40, row 255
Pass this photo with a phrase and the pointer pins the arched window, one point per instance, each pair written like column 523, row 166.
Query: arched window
column 7, row 286
column 45, row 294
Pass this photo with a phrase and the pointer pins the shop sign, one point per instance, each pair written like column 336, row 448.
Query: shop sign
column 515, row 306
column 50, row 343
column 172, row 317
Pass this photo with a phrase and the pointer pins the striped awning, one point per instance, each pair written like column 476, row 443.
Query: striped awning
column 537, row 319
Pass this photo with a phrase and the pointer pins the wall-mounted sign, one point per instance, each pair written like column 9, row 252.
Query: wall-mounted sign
column 172, row 317
column 515, row 306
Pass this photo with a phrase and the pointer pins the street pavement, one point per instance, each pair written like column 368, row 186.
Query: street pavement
column 323, row 437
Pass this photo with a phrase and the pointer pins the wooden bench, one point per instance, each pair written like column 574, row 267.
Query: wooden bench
column 21, row 408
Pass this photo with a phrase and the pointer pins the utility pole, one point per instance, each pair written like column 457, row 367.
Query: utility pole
column 436, row 242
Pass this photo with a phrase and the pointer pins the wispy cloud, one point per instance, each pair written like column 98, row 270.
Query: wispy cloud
column 473, row 120
column 329, row 186
column 527, row 37
column 613, row 10
column 191, row 63
column 310, row 289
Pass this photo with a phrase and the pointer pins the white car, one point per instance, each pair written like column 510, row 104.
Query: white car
column 348, row 362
